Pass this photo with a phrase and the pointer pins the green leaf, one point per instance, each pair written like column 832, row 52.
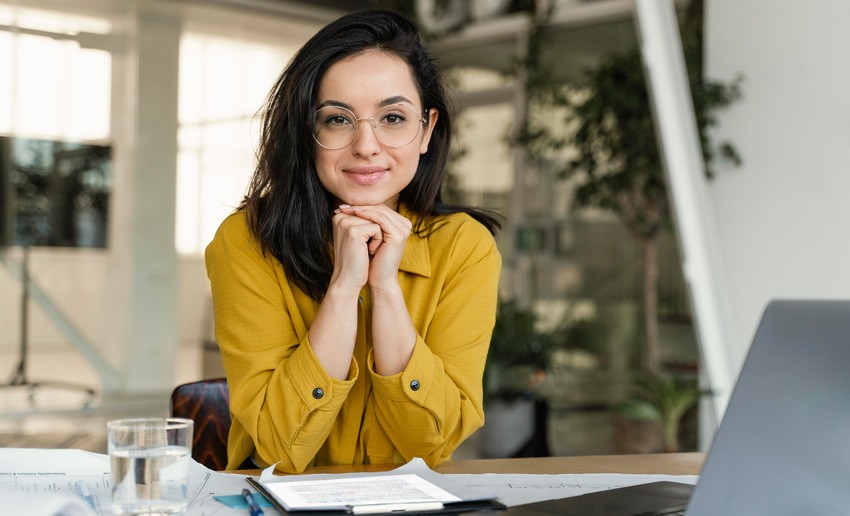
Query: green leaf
column 640, row 410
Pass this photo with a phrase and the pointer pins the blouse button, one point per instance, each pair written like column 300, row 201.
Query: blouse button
column 414, row 385
column 318, row 393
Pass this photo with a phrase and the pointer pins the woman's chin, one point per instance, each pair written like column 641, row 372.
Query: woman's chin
column 371, row 201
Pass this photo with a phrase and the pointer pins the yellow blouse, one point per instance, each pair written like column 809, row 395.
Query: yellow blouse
column 287, row 409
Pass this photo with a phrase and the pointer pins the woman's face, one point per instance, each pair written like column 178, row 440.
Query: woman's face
column 368, row 172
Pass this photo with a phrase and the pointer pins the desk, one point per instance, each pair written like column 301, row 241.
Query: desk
column 48, row 469
column 664, row 464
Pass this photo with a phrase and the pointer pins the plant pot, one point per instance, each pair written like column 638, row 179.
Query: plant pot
column 636, row 435
column 508, row 425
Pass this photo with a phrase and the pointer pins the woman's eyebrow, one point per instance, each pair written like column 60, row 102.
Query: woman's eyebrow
column 389, row 101
column 397, row 99
column 336, row 103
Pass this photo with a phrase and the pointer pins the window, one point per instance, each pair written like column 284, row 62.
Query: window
column 227, row 68
column 57, row 89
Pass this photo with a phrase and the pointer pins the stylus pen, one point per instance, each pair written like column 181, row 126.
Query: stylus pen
column 252, row 503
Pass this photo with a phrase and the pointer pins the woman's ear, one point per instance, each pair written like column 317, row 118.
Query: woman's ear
column 432, row 116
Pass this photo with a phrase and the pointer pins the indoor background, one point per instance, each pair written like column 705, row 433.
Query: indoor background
column 143, row 113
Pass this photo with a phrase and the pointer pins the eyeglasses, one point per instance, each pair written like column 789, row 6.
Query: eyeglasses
column 395, row 126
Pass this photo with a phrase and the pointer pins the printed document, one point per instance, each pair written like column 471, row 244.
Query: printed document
column 348, row 492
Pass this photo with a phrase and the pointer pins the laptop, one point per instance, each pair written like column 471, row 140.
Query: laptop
column 783, row 446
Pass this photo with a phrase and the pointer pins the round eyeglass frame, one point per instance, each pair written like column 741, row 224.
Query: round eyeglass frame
column 372, row 121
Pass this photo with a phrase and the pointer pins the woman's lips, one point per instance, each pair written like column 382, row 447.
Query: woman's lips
column 365, row 175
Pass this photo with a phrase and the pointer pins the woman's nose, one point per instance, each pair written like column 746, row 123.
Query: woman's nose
column 365, row 139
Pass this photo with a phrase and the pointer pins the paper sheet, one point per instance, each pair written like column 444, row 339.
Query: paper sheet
column 521, row 489
column 341, row 493
column 416, row 467
column 52, row 504
column 42, row 475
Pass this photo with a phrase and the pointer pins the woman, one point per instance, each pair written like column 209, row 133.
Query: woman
column 353, row 309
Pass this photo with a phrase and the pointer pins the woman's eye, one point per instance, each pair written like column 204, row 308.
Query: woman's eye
column 393, row 119
column 337, row 120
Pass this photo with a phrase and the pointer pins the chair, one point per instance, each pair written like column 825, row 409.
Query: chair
column 207, row 403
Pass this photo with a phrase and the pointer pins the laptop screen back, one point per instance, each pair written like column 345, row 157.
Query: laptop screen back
column 784, row 444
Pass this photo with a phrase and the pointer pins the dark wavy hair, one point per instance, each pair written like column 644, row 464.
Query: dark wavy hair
column 287, row 208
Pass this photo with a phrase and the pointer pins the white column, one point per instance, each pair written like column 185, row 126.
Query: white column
column 683, row 162
column 142, row 291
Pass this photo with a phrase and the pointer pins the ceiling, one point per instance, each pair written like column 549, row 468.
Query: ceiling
column 582, row 32
column 580, row 35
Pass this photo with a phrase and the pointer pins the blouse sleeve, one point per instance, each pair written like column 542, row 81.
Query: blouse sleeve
column 428, row 409
column 281, row 397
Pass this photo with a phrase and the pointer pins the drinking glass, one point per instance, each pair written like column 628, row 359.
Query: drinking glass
column 149, row 460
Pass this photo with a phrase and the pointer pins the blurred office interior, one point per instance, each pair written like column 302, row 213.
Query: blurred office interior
column 128, row 129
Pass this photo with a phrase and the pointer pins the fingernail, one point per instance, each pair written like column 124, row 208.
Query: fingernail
column 345, row 206
column 337, row 211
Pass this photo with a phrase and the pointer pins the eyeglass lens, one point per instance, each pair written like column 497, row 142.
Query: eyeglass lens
column 394, row 126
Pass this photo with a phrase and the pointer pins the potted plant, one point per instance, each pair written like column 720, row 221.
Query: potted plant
column 657, row 402
column 516, row 364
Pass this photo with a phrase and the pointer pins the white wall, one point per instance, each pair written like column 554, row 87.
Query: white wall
column 783, row 217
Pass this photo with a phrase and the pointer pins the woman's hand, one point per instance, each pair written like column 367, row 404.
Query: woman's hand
column 385, row 232
column 354, row 238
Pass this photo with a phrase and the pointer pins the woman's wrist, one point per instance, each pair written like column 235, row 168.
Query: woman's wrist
column 342, row 292
column 386, row 289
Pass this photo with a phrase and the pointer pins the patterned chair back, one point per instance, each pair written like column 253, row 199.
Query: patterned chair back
column 207, row 403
